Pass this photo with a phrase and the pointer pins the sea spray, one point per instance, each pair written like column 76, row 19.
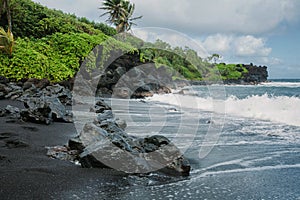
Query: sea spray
column 281, row 109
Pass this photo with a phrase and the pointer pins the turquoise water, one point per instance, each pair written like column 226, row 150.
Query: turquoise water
column 245, row 144
column 275, row 88
column 256, row 153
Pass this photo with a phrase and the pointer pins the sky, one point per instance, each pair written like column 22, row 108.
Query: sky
column 262, row 32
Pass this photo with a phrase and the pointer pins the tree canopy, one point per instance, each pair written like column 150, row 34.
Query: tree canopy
column 51, row 44
column 120, row 14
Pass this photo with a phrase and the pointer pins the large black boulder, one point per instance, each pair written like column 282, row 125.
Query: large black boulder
column 45, row 110
column 104, row 144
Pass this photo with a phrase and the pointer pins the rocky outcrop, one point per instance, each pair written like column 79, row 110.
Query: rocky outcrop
column 45, row 110
column 125, row 76
column 37, row 110
column 14, row 112
column 104, row 144
column 44, row 103
column 34, row 88
column 256, row 74
column 40, row 84
column 10, row 91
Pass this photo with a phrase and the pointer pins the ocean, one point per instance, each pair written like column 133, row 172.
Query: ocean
column 243, row 141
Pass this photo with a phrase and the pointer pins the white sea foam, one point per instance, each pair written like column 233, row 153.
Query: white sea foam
column 270, row 84
column 251, row 169
column 280, row 109
column 281, row 84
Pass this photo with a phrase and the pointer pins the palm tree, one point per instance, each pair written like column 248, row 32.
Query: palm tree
column 214, row 57
column 6, row 41
column 4, row 8
column 6, row 38
column 120, row 14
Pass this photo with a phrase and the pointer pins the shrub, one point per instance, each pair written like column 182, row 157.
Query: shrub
column 55, row 57
column 231, row 71
column 31, row 19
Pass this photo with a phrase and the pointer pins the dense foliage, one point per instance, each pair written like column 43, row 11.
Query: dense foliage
column 56, row 57
column 30, row 19
column 186, row 62
column 52, row 57
column 231, row 71
column 51, row 44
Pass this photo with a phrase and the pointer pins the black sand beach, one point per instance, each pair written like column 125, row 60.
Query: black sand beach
column 27, row 173
column 254, row 171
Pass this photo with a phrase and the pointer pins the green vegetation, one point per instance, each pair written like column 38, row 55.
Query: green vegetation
column 55, row 57
column 231, row 71
column 184, row 61
column 214, row 57
column 6, row 41
column 51, row 44
column 30, row 19
column 120, row 14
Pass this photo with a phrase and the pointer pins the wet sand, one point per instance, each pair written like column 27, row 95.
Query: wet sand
column 27, row 173
column 268, row 170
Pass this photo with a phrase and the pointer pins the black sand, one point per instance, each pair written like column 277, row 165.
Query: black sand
column 27, row 173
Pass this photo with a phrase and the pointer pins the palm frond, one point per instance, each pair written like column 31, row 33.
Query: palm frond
column 135, row 18
column 6, row 41
column 119, row 13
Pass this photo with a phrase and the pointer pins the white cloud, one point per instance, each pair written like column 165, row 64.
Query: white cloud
column 240, row 49
column 172, row 37
column 212, row 16
column 243, row 45
column 269, row 61
column 233, row 28
column 250, row 46
column 218, row 43
column 233, row 47
column 81, row 8
column 195, row 17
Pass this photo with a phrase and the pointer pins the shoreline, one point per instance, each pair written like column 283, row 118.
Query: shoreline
column 232, row 82
column 26, row 172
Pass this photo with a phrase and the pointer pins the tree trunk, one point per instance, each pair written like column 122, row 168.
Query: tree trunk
column 8, row 14
column 119, row 28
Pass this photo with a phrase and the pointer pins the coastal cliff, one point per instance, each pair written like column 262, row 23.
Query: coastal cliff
column 141, row 79
column 256, row 74
column 253, row 75
column 129, row 77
